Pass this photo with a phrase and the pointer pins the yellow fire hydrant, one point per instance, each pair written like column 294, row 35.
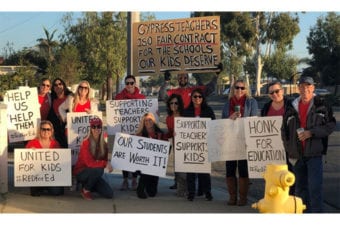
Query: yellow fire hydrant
column 276, row 199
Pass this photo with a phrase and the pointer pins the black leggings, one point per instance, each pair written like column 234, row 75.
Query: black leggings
column 241, row 165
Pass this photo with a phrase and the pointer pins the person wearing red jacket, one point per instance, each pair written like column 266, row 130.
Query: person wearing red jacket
column 45, row 139
column 131, row 91
column 92, row 160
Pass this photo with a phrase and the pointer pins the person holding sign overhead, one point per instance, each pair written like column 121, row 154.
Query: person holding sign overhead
column 131, row 91
column 198, row 107
column 80, row 102
column 148, row 184
column 45, row 139
column 92, row 160
column 239, row 104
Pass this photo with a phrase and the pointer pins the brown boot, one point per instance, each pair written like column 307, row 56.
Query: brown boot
column 243, row 184
column 232, row 189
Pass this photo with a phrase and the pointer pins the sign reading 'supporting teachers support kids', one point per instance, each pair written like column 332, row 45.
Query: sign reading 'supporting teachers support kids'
column 191, row 149
column 188, row 45
column 264, row 143
column 78, row 127
column 42, row 167
column 132, row 153
column 124, row 115
column 23, row 114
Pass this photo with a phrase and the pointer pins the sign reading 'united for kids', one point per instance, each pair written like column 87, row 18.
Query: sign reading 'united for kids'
column 191, row 149
column 124, row 115
column 23, row 114
column 78, row 127
column 42, row 167
column 132, row 153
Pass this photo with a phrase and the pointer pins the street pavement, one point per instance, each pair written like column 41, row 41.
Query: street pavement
column 18, row 199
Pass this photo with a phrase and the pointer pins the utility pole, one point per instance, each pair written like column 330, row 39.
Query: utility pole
column 132, row 17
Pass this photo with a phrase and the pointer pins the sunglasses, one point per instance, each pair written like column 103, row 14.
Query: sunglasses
column 275, row 91
column 173, row 103
column 238, row 87
column 83, row 87
column 197, row 96
column 57, row 84
column 45, row 85
column 96, row 127
column 45, row 129
column 129, row 83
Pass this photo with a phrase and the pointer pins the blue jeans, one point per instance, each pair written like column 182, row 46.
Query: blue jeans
column 91, row 179
column 308, row 183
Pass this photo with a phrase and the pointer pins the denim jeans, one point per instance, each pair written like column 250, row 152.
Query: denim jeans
column 308, row 183
column 91, row 179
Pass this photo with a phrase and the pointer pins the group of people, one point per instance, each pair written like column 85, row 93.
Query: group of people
column 304, row 150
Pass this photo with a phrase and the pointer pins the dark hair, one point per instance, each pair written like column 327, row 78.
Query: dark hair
column 180, row 103
column 275, row 83
column 66, row 90
column 130, row 77
column 201, row 92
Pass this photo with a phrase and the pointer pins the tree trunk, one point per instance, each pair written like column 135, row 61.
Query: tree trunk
column 109, row 84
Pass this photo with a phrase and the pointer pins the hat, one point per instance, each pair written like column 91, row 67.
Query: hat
column 95, row 121
column 307, row 80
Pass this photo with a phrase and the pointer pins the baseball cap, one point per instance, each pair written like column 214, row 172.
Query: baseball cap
column 306, row 79
column 95, row 121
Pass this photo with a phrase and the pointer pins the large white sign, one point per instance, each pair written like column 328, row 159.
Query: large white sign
column 23, row 114
column 124, row 115
column 191, row 149
column 132, row 153
column 264, row 144
column 42, row 167
column 226, row 140
column 78, row 127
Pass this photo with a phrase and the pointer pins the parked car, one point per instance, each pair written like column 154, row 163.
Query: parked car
column 321, row 92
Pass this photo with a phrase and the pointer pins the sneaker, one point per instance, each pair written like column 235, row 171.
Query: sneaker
column 86, row 194
column 174, row 186
column 134, row 184
column 125, row 185
column 208, row 196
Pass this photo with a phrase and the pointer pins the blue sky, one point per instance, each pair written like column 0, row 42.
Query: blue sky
column 24, row 28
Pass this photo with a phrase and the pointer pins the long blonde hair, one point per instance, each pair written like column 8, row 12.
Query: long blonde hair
column 77, row 97
column 101, row 145
column 232, row 89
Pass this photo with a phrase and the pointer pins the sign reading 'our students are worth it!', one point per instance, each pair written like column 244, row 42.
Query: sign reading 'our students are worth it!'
column 190, row 45
column 132, row 153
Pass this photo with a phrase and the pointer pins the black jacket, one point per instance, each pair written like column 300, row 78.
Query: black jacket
column 321, row 123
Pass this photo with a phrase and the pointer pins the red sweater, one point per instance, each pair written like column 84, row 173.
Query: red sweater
column 124, row 95
column 86, row 159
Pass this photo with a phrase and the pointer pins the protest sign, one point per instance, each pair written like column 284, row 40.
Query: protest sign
column 78, row 127
column 124, row 115
column 264, row 143
column 42, row 167
column 132, row 153
column 189, row 45
column 226, row 140
column 23, row 114
column 191, row 150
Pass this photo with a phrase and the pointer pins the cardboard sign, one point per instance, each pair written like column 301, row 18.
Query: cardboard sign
column 42, row 167
column 190, row 45
column 23, row 114
column 264, row 144
column 124, row 115
column 78, row 127
column 132, row 153
column 191, row 149
column 226, row 140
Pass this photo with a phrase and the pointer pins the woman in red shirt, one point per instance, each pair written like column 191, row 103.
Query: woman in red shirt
column 44, row 98
column 45, row 139
column 92, row 160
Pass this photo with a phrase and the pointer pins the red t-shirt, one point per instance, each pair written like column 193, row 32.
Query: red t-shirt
column 35, row 143
column 44, row 106
column 81, row 108
column 274, row 112
column 56, row 103
column 303, row 109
